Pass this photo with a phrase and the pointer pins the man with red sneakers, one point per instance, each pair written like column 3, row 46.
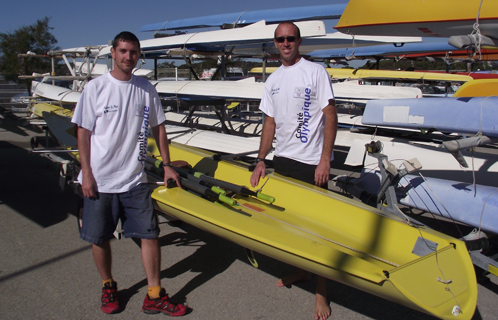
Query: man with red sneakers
column 113, row 116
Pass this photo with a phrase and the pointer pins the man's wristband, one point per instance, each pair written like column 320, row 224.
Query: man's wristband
column 259, row 160
column 168, row 164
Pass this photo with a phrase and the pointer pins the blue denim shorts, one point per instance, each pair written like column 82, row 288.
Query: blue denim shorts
column 100, row 216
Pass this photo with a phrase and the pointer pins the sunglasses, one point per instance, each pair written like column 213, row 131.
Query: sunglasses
column 282, row 39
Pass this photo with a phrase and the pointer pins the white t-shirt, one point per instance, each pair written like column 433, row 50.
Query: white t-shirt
column 295, row 96
column 118, row 113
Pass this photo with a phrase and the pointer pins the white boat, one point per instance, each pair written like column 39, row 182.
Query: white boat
column 249, row 40
column 203, row 120
column 53, row 92
column 241, row 89
column 98, row 69
column 345, row 92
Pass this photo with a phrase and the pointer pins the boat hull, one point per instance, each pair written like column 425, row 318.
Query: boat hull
column 331, row 236
column 418, row 18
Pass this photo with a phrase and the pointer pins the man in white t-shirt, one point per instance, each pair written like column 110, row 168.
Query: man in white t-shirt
column 113, row 115
column 299, row 108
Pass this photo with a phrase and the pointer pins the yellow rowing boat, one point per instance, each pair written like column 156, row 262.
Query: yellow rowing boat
column 333, row 236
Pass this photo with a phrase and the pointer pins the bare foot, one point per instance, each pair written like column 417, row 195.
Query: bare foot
column 299, row 275
column 322, row 308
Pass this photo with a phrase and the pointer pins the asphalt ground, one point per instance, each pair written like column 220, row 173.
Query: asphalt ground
column 47, row 272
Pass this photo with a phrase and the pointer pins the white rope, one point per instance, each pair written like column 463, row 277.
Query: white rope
column 435, row 195
column 476, row 32
column 238, row 18
column 160, row 28
column 443, row 279
column 351, row 56
column 479, row 133
column 375, row 135
column 446, row 282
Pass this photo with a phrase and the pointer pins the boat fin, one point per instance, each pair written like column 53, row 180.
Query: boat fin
column 251, row 258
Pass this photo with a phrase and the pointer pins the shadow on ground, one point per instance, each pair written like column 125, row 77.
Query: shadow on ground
column 30, row 186
column 215, row 255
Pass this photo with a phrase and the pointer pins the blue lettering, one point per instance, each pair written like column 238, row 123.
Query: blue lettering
column 142, row 137
column 304, row 117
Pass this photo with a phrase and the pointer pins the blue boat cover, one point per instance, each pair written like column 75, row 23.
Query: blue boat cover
column 323, row 12
column 461, row 115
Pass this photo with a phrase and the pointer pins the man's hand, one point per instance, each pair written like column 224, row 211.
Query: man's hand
column 89, row 185
column 259, row 171
column 322, row 173
column 170, row 173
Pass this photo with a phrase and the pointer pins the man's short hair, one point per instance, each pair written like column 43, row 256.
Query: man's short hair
column 125, row 36
column 287, row 22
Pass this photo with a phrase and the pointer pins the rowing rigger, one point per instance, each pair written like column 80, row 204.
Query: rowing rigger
column 211, row 183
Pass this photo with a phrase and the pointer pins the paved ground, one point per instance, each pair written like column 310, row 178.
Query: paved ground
column 46, row 271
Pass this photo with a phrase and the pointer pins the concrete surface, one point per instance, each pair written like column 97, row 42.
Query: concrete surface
column 47, row 272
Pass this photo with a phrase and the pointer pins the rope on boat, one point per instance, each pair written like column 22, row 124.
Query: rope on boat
column 476, row 32
column 439, row 201
column 456, row 310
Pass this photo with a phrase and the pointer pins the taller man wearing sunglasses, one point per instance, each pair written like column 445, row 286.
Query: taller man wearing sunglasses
column 300, row 110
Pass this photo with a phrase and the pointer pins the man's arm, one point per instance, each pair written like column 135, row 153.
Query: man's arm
column 322, row 171
column 264, row 147
column 88, row 184
column 162, row 142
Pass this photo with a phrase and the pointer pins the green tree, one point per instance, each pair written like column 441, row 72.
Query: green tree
column 35, row 38
column 166, row 64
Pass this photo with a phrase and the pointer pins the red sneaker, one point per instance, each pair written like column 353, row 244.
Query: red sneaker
column 110, row 302
column 163, row 304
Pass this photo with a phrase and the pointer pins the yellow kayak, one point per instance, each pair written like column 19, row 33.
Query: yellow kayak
column 419, row 18
column 330, row 235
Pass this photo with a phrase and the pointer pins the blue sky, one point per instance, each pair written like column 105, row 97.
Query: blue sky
column 91, row 22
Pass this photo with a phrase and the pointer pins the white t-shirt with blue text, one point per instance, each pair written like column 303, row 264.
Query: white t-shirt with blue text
column 295, row 97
